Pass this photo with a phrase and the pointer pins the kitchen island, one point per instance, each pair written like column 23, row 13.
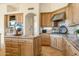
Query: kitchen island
column 22, row 45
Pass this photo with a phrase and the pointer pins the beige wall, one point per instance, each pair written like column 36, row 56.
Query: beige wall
column 2, row 12
column 50, row 7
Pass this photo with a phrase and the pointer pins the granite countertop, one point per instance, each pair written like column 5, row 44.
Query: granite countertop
column 70, row 38
column 23, row 37
column 73, row 40
column 56, row 35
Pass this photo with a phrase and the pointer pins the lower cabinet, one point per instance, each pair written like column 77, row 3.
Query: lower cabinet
column 57, row 42
column 22, row 47
column 37, row 46
column 26, row 47
column 53, row 42
column 45, row 39
column 12, row 47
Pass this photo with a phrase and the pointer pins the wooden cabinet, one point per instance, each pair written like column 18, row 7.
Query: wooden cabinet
column 19, row 47
column 19, row 17
column 26, row 47
column 37, row 46
column 45, row 40
column 72, row 12
column 45, row 19
column 30, row 47
column 57, row 42
column 53, row 42
column 23, row 46
column 75, row 9
column 12, row 47
column 69, row 14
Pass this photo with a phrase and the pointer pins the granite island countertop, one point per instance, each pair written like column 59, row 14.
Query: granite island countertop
column 21, row 37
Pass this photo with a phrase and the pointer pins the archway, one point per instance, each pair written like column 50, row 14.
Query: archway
column 29, row 24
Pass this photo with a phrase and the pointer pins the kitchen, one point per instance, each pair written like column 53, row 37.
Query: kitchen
column 44, row 29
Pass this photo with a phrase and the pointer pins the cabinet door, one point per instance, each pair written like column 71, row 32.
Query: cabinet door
column 59, row 43
column 64, row 46
column 26, row 47
column 46, row 19
column 19, row 17
column 45, row 40
column 53, row 42
column 37, row 46
column 69, row 14
column 11, row 46
column 75, row 13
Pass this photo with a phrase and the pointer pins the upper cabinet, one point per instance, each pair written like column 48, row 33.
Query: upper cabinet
column 72, row 12
column 69, row 14
column 75, row 10
column 46, row 19
column 18, row 17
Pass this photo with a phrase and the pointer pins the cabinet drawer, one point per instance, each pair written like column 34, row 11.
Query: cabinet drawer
column 8, row 42
column 13, row 45
column 8, row 45
column 12, row 54
column 12, row 50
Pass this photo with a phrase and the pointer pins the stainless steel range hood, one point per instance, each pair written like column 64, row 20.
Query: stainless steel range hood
column 59, row 17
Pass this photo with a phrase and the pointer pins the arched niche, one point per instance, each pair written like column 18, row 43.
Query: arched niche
column 29, row 23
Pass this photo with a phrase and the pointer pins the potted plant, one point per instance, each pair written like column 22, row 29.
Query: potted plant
column 77, row 33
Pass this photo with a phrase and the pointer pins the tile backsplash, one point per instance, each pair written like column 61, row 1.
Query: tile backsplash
column 72, row 29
